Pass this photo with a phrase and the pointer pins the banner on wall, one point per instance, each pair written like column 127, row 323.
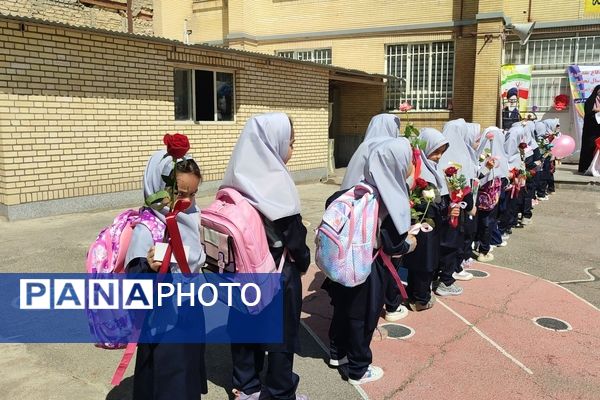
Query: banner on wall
column 582, row 80
column 514, row 92
column 592, row 7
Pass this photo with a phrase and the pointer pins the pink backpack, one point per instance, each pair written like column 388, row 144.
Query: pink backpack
column 234, row 240
column 106, row 255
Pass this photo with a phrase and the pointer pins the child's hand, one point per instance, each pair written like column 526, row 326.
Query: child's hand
column 155, row 265
column 490, row 163
column 455, row 211
column 412, row 241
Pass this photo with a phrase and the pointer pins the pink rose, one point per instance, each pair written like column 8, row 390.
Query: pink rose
column 404, row 107
column 490, row 135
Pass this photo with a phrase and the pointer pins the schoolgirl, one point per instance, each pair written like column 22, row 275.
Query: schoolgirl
column 356, row 310
column 257, row 169
column 452, row 240
column 423, row 262
column 490, row 185
column 170, row 371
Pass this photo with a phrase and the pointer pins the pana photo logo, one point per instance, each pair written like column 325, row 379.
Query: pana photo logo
column 128, row 294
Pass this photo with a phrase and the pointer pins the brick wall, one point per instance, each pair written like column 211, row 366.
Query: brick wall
column 74, row 13
column 80, row 112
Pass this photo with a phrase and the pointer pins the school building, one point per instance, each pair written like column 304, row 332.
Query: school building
column 82, row 109
column 447, row 54
column 90, row 86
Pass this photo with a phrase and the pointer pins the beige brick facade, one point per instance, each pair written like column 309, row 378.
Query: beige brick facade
column 105, row 14
column 358, row 31
column 82, row 110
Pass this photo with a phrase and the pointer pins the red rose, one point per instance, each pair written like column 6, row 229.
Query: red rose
column 421, row 183
column 451, row 171
column 523, row 146
column 177, row 145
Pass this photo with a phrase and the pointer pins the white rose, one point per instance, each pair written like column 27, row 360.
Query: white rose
column 429, row 194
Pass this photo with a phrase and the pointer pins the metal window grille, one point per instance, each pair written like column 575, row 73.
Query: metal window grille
column 321, row 56
column 425, row 72
column 550, row 58
column 286, row 54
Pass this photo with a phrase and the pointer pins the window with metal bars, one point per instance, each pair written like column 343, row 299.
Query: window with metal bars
column 550, row 58
column 425, row 73
column 321, row 56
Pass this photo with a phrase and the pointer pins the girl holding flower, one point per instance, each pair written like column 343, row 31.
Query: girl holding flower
column 432, row 208
column 459, row 169
column 490, row 188
column 513, row 147
column 170, row 371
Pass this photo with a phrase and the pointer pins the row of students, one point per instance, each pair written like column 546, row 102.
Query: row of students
column 257, row 169
column 434, row 259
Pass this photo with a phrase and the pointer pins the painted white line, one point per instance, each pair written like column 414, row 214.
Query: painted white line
column 325, row 349
column 546, row 280
column 483, row 335
column 592, row 278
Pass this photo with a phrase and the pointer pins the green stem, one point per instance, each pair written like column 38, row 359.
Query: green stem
column 425, row 212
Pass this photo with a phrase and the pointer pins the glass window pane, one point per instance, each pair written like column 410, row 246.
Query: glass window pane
column 205, row 96
column 182, row 80
column 225, row 96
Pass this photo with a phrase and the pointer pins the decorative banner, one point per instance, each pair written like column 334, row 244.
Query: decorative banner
column 514, row 92
column 582, row 80
column 592, row 7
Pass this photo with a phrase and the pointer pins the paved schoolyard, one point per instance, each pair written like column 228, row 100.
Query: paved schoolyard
column 481, row 345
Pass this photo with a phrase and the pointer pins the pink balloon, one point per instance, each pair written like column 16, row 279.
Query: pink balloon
column 564, row 146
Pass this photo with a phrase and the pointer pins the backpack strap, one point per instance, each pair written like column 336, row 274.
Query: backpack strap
column 230, row 195
column 124, row 241
column 387, row 261
column 123, row 364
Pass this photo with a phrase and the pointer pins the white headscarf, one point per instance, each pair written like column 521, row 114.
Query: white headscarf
column 257, row 170
column 530, row 138
column 386, row 170
column 356, row 167
column 383, row 125
column 458, row 151
column 515, row 135
column 496, row 148
column 430, row 170
column 545, row 127
column 187, row 221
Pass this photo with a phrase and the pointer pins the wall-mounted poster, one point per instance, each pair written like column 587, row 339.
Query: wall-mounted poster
column 514, row 92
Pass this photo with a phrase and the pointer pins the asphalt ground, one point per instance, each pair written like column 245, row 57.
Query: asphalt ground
column 560, row 245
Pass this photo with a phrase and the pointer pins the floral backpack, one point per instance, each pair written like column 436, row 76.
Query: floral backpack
column 489, row 195
column 347, row 235
column 106, row 255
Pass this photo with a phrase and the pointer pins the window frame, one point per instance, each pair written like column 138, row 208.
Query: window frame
column 430, row 74
column 296, row 52
column 192, row 94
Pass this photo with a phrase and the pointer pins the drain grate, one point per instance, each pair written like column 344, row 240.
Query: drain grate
column 478, row 274
column 398, row 331
column 553, row 324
